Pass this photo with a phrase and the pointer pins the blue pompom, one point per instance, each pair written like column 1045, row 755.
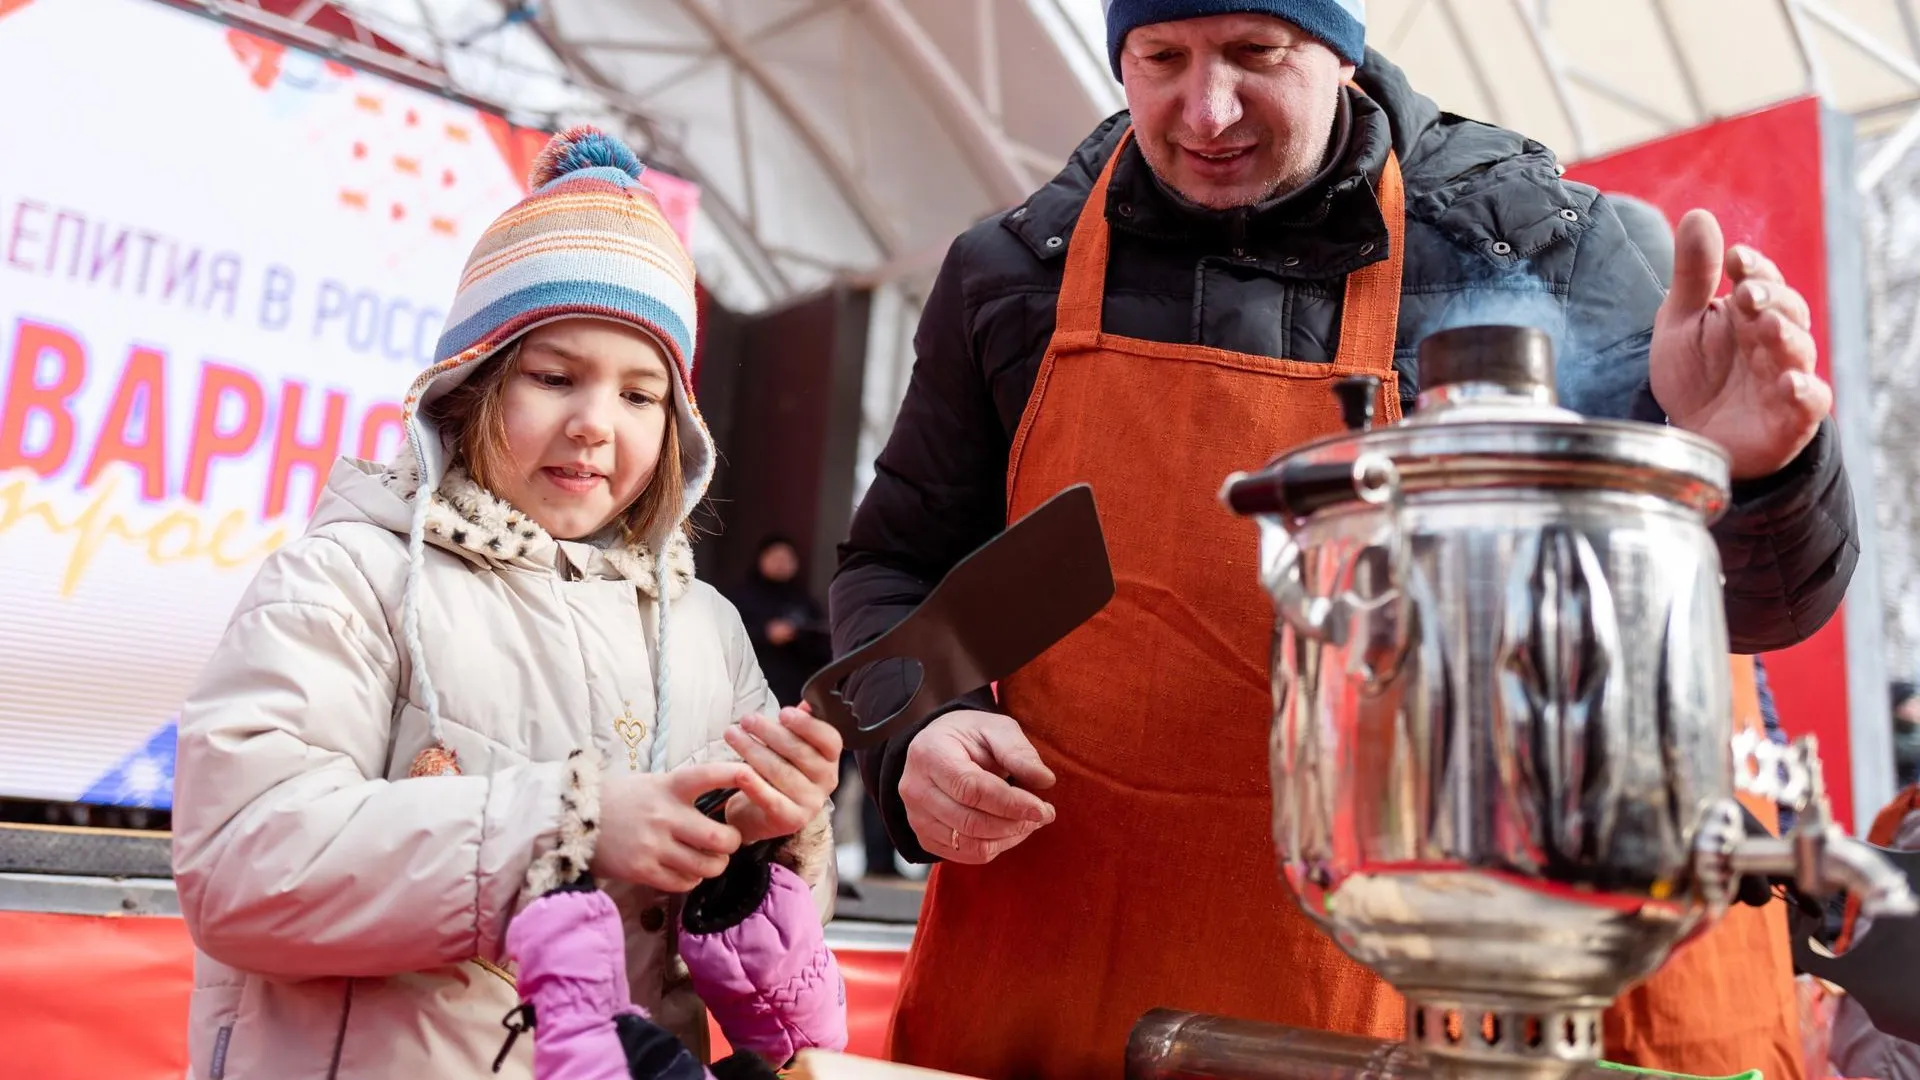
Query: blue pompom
column 579, row 148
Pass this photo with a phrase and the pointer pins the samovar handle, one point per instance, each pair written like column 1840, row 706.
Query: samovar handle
column 1297, row 489
column 1262, row 496
column 1281, row 576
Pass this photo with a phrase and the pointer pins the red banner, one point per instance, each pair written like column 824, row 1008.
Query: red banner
column 90, row 997
column 1760, row 174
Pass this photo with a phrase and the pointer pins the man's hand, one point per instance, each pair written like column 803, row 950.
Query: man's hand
column 780, row 632
column 956, row 792
column 1737, row 370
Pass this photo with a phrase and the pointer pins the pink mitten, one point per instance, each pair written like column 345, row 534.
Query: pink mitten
column 764, row 970
column 573, row 980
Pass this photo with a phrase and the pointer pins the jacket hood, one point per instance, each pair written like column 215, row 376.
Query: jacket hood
column 426, row 443
column 1411, row 116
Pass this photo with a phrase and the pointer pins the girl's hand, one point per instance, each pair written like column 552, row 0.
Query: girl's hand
column 797, row 761
column 651, row 835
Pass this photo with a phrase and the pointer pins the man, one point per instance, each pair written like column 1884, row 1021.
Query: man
column 1160, row 315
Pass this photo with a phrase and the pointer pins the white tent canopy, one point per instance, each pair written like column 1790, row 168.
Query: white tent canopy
column 834, row 140
column 851, row 139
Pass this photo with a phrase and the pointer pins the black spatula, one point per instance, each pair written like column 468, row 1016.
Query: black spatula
column 994, row 613
column 1878, row 972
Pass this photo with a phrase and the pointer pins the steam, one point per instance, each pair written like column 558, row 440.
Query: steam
column 1509, row 296
column 1515, row 298
column 1600, row 330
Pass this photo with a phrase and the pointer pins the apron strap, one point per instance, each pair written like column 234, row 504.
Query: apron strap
column 1083, row 286
column 1369, row 315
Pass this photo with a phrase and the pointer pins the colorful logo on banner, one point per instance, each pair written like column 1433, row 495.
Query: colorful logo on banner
column 225, row 278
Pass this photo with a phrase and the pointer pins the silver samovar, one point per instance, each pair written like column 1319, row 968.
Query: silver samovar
column 1503, row 756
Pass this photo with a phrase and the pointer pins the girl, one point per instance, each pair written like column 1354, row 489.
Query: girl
column 483, row 671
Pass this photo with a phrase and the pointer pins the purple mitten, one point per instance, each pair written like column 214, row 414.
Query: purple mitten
column 573, row 973
column 770, row 979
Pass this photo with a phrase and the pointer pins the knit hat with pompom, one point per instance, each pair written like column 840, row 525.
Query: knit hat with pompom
column 589, row 239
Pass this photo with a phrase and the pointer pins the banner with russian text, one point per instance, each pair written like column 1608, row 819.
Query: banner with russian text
column 221, row 262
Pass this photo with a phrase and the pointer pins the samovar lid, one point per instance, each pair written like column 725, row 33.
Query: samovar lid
column 1491, row 372
column 1515, row 359
column 1488, row 419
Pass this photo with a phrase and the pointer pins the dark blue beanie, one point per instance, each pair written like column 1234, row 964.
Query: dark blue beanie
column 1342, row 24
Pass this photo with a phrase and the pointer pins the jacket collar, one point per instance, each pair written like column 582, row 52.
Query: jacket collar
column 471, row 521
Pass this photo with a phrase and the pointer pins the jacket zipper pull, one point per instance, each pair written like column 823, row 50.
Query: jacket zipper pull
column 517, row 1021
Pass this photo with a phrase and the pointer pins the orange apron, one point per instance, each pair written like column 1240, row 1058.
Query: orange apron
column 1156, row 886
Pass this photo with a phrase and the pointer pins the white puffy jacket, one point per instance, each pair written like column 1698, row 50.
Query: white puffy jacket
column 350, row 920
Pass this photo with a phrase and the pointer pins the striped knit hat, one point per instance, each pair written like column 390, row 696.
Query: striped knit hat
column 588, row 240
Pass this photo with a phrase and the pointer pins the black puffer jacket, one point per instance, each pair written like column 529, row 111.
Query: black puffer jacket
column 1493, row 235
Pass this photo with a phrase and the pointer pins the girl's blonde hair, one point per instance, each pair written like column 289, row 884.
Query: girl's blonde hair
column 473, row 417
